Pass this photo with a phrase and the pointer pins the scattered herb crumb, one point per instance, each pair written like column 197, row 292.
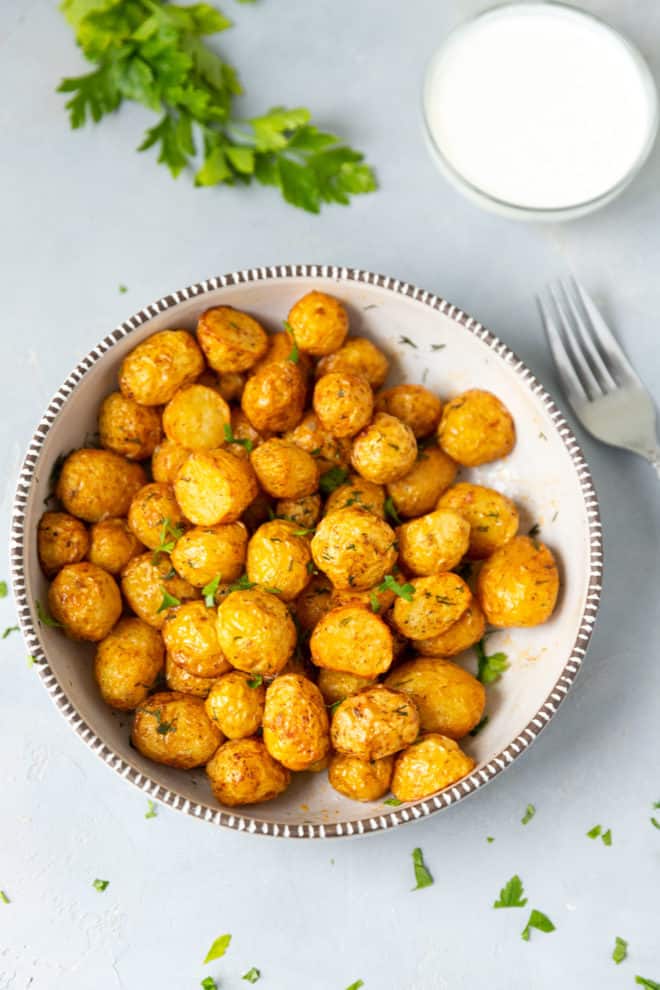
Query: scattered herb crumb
column 9, row 630
column 100, row 884
column 620, row 950
column 390, row 510
column 218, row 948
column 3, row 589
column 230, row 438
column 491, row 667
column 607, row 837
column 332, row 479
column 252, row 975
column 375, row 607
column 31, row 660
column 643, row 981
column 4, row 898
column 511, row 894
column 534, row 531
column 408, row 341
column 594, row 832
column 169, row 601
column 210, row 589
column 123, row 289
column 256, row 681
column 655, row 823
column 356, row 985
column 438, row 347
column 243, row 584
column 208, row 983
column 422, row 875
column 151, row 811
column 294, row 354
column 490, row 838
column 539, row 921
column 393, row 802
column 390, row 583
column 45, row 618
column 530, row 811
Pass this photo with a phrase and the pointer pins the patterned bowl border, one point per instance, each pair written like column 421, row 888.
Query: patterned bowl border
column 243, row 823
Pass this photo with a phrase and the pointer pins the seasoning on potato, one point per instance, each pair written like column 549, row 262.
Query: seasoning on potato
column 128, row 660
column 354, row 548
column 428, row 766
column 204, row 553
column 357, row 356
column 284, row 470
column 337, row 685
column 295, row 722
column 112, row 544
column 166, row 460
column 85, row 599
column 61, row 539
column 343, row 403
column 418, row 491
column 385, row 450
column 360, row 780
column 236, row 704
column 305, row 511
column 255, row 631
column 433, row 605
column 476, row 427
column 374, row 723
column 174, row 729
column 274, row 397
column 191, row 638
column 178, row 678
column 231, row 340
column 319, row 323
column 154, row 515
column 354, row 640
column 94, row 484
column 493, row 517
column 460, row 636
column 127, row 428
column 151, row 586
column 449, row 699
column 242, row 771
column 434, row 542
column 518, row 585
column 414, row 405
column 277, row 557
column 214, row 486
column 329, row 451
column 357, row 493
column 196, row 418
column 153, row 371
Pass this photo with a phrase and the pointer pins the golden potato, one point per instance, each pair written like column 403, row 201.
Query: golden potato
column 449, row 699
column 319, row 323
column 167, row 459
column 127, row 428
column 112, row 545
column 196, row 417
column 147, row 587
column 493, row 517
column 414, row 405
column 361, row 780
column 274, row 397
column 354, row 640
column 281, row 347
column 358, row 356
column 313, row 602
column 354, row 548
column 61, row 539
column 385, row 451
column 153, row 371
column 284, row 470
column 258, row 511
column 278, row 559
column 174, row 729
column 127, row 662
column 418, row 491
column 245, row 437
column 256, row 632
column 94, row 484
column 231, row 340
column 154, row 516
column 343, row 403
column 374, row 724
column 85, row 599
column 359, row 493
column 304, row 512
column 435, row 542
column 295, row 722
column 236, row 704
column 179, row 679
column 518, row 585
column 191, row 639
column 208, row 552
column 337, row 685
column 329, row 451
column 433, row 763
column 476, row 427
column 214, row 486
column 243, row 772
column 460, row 636
column 435, row 603
column 230, row 386
column 377, row 599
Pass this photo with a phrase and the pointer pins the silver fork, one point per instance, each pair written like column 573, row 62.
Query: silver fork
column 599, row 381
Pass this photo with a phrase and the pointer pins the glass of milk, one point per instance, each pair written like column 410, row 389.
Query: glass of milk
column 539, row 110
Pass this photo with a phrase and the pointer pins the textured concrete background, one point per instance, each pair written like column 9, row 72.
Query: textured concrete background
column 82, row 213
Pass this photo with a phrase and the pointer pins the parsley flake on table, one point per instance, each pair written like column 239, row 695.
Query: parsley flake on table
column 422, row 875
column 511, row 894
column 356, row 985
column 9, row 630
column 490, row 838
column 210, row 589
column 45, row 618
column 151, row 811
column 594, row 832
column 390, row 583
column 230, row 438
column 393, row 802
column 490, row 667
column 123, row 289
column 607, row 837
column 169, row 601
column 390, row 510
column 539, row 921
column 655, row 823
column 643, row 981
column 218, row 948
column 208, row 983
column 332, row 479
column 4, row 898
column 252, row 975
column 530, row 811
column 407, row 341
column 3, row 589
column 620, row 950
column 100, row 884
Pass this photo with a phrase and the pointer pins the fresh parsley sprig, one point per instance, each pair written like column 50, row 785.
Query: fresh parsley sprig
column 511, row 894
column 169, row 534
column 490, row 667
column 210, row 589
column 539, row 921
column 230, row 438
column 390, row 583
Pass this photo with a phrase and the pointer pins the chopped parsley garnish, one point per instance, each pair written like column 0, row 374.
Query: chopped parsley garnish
column 597, row 831
column 9, row 630
column 491, row 667
column 3, row 589
column 166, row 545
column 479, row 726
column 310, row 567
column 230, row 438
column 218, row 948
column 539, row 921
column 620, row 950
column 422, row 875
column 45, row 618
column 243, row 584
column 374, row 602
column 530, row 811
column 169, row 601
column 490, row 838
column 304, row 531
column 393, row 802
column 643, row 981
column 511, row 894
column 655, row 823
column 408, row 341
column 123, row 289
column 256, row 681
column 4, row 898
column 607, row 837
column 163, row 727
column 151, row 811
column 390, row 583
column 332, row 479
column 100, row 884
column 335, row 705
column 594, row 832
column 356, row 985
column 210, row 589
column 252, row 975
column 208, row 983
column 294, row 354
column 31, row 660
column 390, row 510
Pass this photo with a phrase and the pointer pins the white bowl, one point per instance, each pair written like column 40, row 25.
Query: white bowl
column 546, row 474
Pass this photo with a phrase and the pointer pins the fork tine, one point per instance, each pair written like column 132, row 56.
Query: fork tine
column 580, row 363
column 571, row 384
column 620, row 365
column 600, row 368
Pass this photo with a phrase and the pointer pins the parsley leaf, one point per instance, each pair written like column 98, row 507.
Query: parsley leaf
column 123, row 289
column 530, row 811
column 332, row 479
column 356, row 985
column 9, row 630
column 3, row 589
column 252, row 975
column 45, row 618
column 230, row 438
column 4, row 898
column 480, row 725
column 643, row 981
column 393, row 802
column 208, row 983
column 169, row 601
column 218, row 948
column 294, row 355
column 151, row 811
column 210, row 589
column 168, row 529
column 407, row 341
column 390, row 510
column 390, row 583
column 422, row 875
column 655, row 823
column 490, row 838
column 607, row 837
column 594, row 832
column 100, row 884
column 539, row 921
column 491, row 667
column 511, row 894
column 620, row 950
column 335, row 705
column 375, row 606
column 597, row 831
column 256, row 681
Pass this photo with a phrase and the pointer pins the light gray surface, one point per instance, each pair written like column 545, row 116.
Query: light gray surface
column 80, row 214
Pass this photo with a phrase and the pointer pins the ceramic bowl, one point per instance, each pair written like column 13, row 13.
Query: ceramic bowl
column 429, row 341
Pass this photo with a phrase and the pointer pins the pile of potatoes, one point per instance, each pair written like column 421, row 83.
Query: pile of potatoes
column 265, row 549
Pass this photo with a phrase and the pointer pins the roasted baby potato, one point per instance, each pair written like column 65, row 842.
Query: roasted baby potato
column 435, row 603
column 493, row 517
column 148, row 586
column 214, row 486
column 354, row 548
column 319, row 323
column 419, row 490
column 357, row 356
column 208, row 552
column 154, row 515
column 428, row 766
column 343, row 403
column 295, row 722
column 274, row 397
column 385, row 451
column 196, row 417
column 435, row 542
column 377, row 599
column 460, row 636
column 127, row 428
column 244, row 436
column 329, row 451
column 304, row 512
column 230, row 385
column 243, row 772
column 236, row 704
column 284, row 470
column 191, row 639
column 95, row 484
column 161, row 364
column 167, row 459
column 127, row 662
column 518, row 585
column 337, row 685
column 231, row 340
column 277, row 558
column 178, row 679
column 256, row 632
column 112, row 545
column 85, row 599
column 61, row 539
column 449, row 699
column 281, row 347
column 354, row 640
column 414, row 405
column 476, row 427
column 361, row 780
column 374, row 724
column 313, row 602
column 358, row 493
column 174, row 729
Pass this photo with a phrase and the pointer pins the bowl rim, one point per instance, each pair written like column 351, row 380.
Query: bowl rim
column 241, row 821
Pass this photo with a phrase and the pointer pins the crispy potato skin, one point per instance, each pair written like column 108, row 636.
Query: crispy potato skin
column 204, row 552
column 196, row 417
column 319, row 323
column 242, row 429
column 357, row 356
column 343, row 403
column 374, row 723
column 231, row 340
column 354, row 548
column 143, row 584
column 361, row 780
column 493, row 517
column 435, row 542
column 274, row 397
column 284, row 470
column 174, row 729
column 518, row 585
column 313, row 602
column 337, row 685
column 86, row 600
column 243, row 772
column 236, row 707
column 178, row 679
column 438, row 601
column 61, row 539
column 127, row 663
column 385, row 451
column 214, row 486
column 357, row 493
column 476, row 427
column 256, row 631
column 161, row 364
column 414, row 405
column 127, row 428
column 295, row 722
column 276, row 558
column 112, row 545
column 428, row 766
column 460, row 636
column 377, row 599
column 449, row 699
column 304, row 512
column 191, row 639
column 281, row 348
column 166, row 460
column 152, row 507
column 95, row 484
column 329, row 451
column 418, row 491
column 354, row 640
